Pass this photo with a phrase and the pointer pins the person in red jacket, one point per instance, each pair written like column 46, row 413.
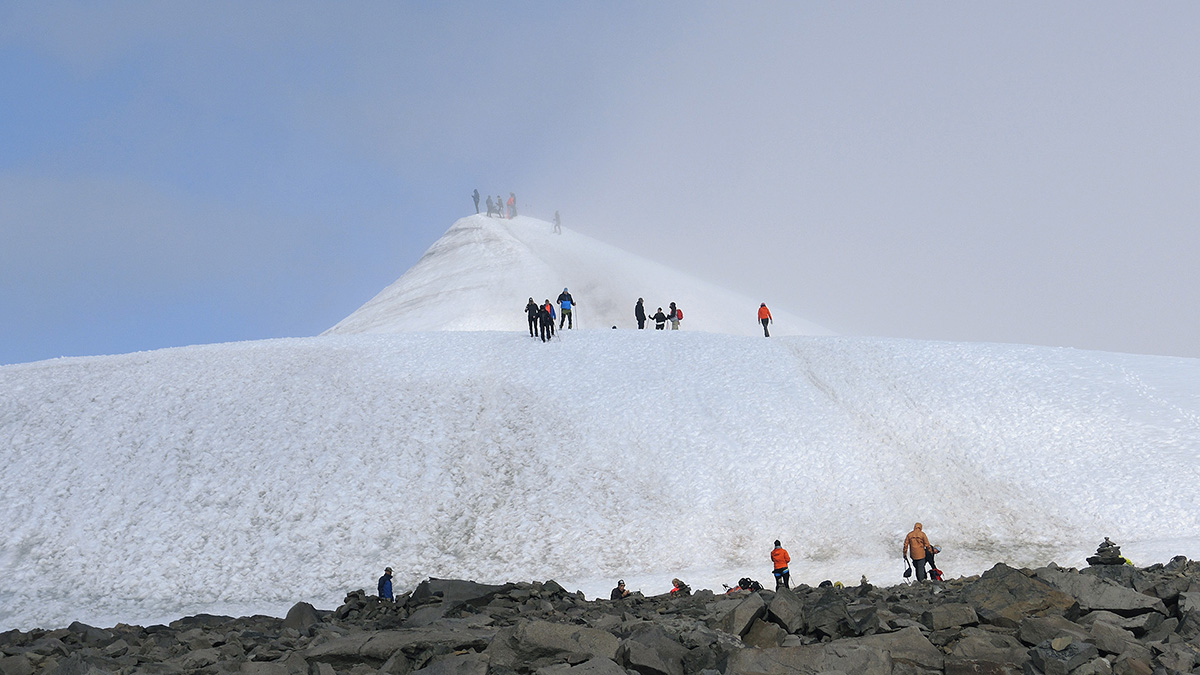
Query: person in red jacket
column 764, row 315
column 780, row 559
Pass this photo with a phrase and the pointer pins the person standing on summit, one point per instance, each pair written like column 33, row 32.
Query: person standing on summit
column 491, row 207
column 915, row 546
column 764, row 316
column 639, row 313
column 531, row 313
column 512, row 205
column 475, row 196
column 674, row 316
column 565, row 302
column 780, row 560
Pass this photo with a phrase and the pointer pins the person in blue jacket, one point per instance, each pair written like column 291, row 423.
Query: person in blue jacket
column 565, row 301
column 385, row 585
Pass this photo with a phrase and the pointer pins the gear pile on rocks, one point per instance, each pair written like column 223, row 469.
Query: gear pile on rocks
column 1053, row 621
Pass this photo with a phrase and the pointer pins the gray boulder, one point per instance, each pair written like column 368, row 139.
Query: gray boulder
column 951, row 615
column 1004, row 596
column 650, row 651
column 301, row 617
column 1094, row 593
column 764, row 634
column 1038, row 629
column 456, row 664
column 1110, row 639
column 456, row 591
column 906, row 651
column 1062, row 655
column 787, row 610
column 532, row 640
column 738, row 620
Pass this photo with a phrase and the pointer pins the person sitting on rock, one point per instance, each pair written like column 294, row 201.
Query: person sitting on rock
column 619, row 592
column 680, row 589
column 385, row 585
column 916, row 545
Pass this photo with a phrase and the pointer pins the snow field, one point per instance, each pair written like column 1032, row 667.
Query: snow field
column 254, row 475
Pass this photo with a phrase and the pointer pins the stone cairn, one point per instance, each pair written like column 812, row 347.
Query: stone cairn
column 1107, row 553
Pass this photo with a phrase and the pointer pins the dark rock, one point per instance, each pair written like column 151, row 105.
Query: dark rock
column 951, row 615
column 1098, row 594
column 905, row 651
column 301, row 617
column 787, row 610
column 764, row 634
column 650, row 651
column 1004, row 596
column 531, row 640
column 1038, row 629
column 826, row 616
column 738, row 620
column 456, row 664
column 1062, row 655
column 1110, row 639
column 454, row 591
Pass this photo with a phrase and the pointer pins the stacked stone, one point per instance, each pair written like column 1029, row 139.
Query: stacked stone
column 1107, row 553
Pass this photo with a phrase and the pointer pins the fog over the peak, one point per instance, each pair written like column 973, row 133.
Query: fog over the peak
column 1013, row 172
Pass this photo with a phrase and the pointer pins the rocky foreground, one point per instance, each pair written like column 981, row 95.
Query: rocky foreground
column 1103, row 619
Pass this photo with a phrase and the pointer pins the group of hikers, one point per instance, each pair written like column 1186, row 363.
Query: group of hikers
column 498, row 208
column 916, row 546
column 541, row 317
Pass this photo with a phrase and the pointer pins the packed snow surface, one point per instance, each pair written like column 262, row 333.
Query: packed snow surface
column 481, row 273
column 245, row 477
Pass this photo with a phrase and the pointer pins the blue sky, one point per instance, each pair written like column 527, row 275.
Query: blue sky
column 175, row 174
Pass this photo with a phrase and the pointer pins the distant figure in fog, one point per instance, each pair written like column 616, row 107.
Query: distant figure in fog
column 639, row 313
column 475, row 196
column 499, row 206
column 512, row 205
column 385, row 585
column 660, row 320
column 557, row 224
column 764, row 316
column 491, row 206
column 531, row 312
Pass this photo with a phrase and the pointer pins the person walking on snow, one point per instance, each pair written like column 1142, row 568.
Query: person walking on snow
column 557, row 224
column 915, row 546
column 639, row 313
column 780, row 560
column 512, row 205
column 545, row 322
column 565, row 302
column 491, row 206
column 475, row 196
column 499, row 206
column 550, row 308
column 531, row 312
column 385, row 585
column 674, row 316
column 764, row 316
column 660, row 319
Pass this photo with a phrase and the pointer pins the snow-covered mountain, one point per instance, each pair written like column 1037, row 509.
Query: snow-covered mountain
column 480, row 274
column 244, row 477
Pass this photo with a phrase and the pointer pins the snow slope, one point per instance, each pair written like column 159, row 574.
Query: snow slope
column 245, row 477
column 480, row 274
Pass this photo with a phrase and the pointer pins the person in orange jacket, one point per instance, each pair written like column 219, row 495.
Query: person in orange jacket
column 764, row 315
column 915, row 546
column 780, row 559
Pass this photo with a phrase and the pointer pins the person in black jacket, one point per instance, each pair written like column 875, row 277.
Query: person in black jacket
column 639, row 313
column 546, row 321
column 385, row 585
column 475, row 196
column 531, row 312
column 660, row 320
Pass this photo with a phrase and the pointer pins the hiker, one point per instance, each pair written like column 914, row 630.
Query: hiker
column 475, row 196
column 675, row 316
column 385, row 585
column 499, row 206
column 512, row 205
column 491, row 206
column 531, row 312
column 934, row 573
column 780, row 560
column 557, row 224
column 916, row 546
column 660, row 319
column 545, row 321
column 680, row 589
column 565, row 301
column 764, row 316
column 550, row 308
column 639, row 313
column 619, row 592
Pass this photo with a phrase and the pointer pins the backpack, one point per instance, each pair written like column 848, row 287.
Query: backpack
column 678, row 314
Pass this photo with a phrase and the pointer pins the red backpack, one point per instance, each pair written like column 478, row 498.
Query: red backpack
column 679, row 314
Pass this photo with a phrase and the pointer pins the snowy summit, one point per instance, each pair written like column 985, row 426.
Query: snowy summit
column 481, row 273
column 242, row 478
